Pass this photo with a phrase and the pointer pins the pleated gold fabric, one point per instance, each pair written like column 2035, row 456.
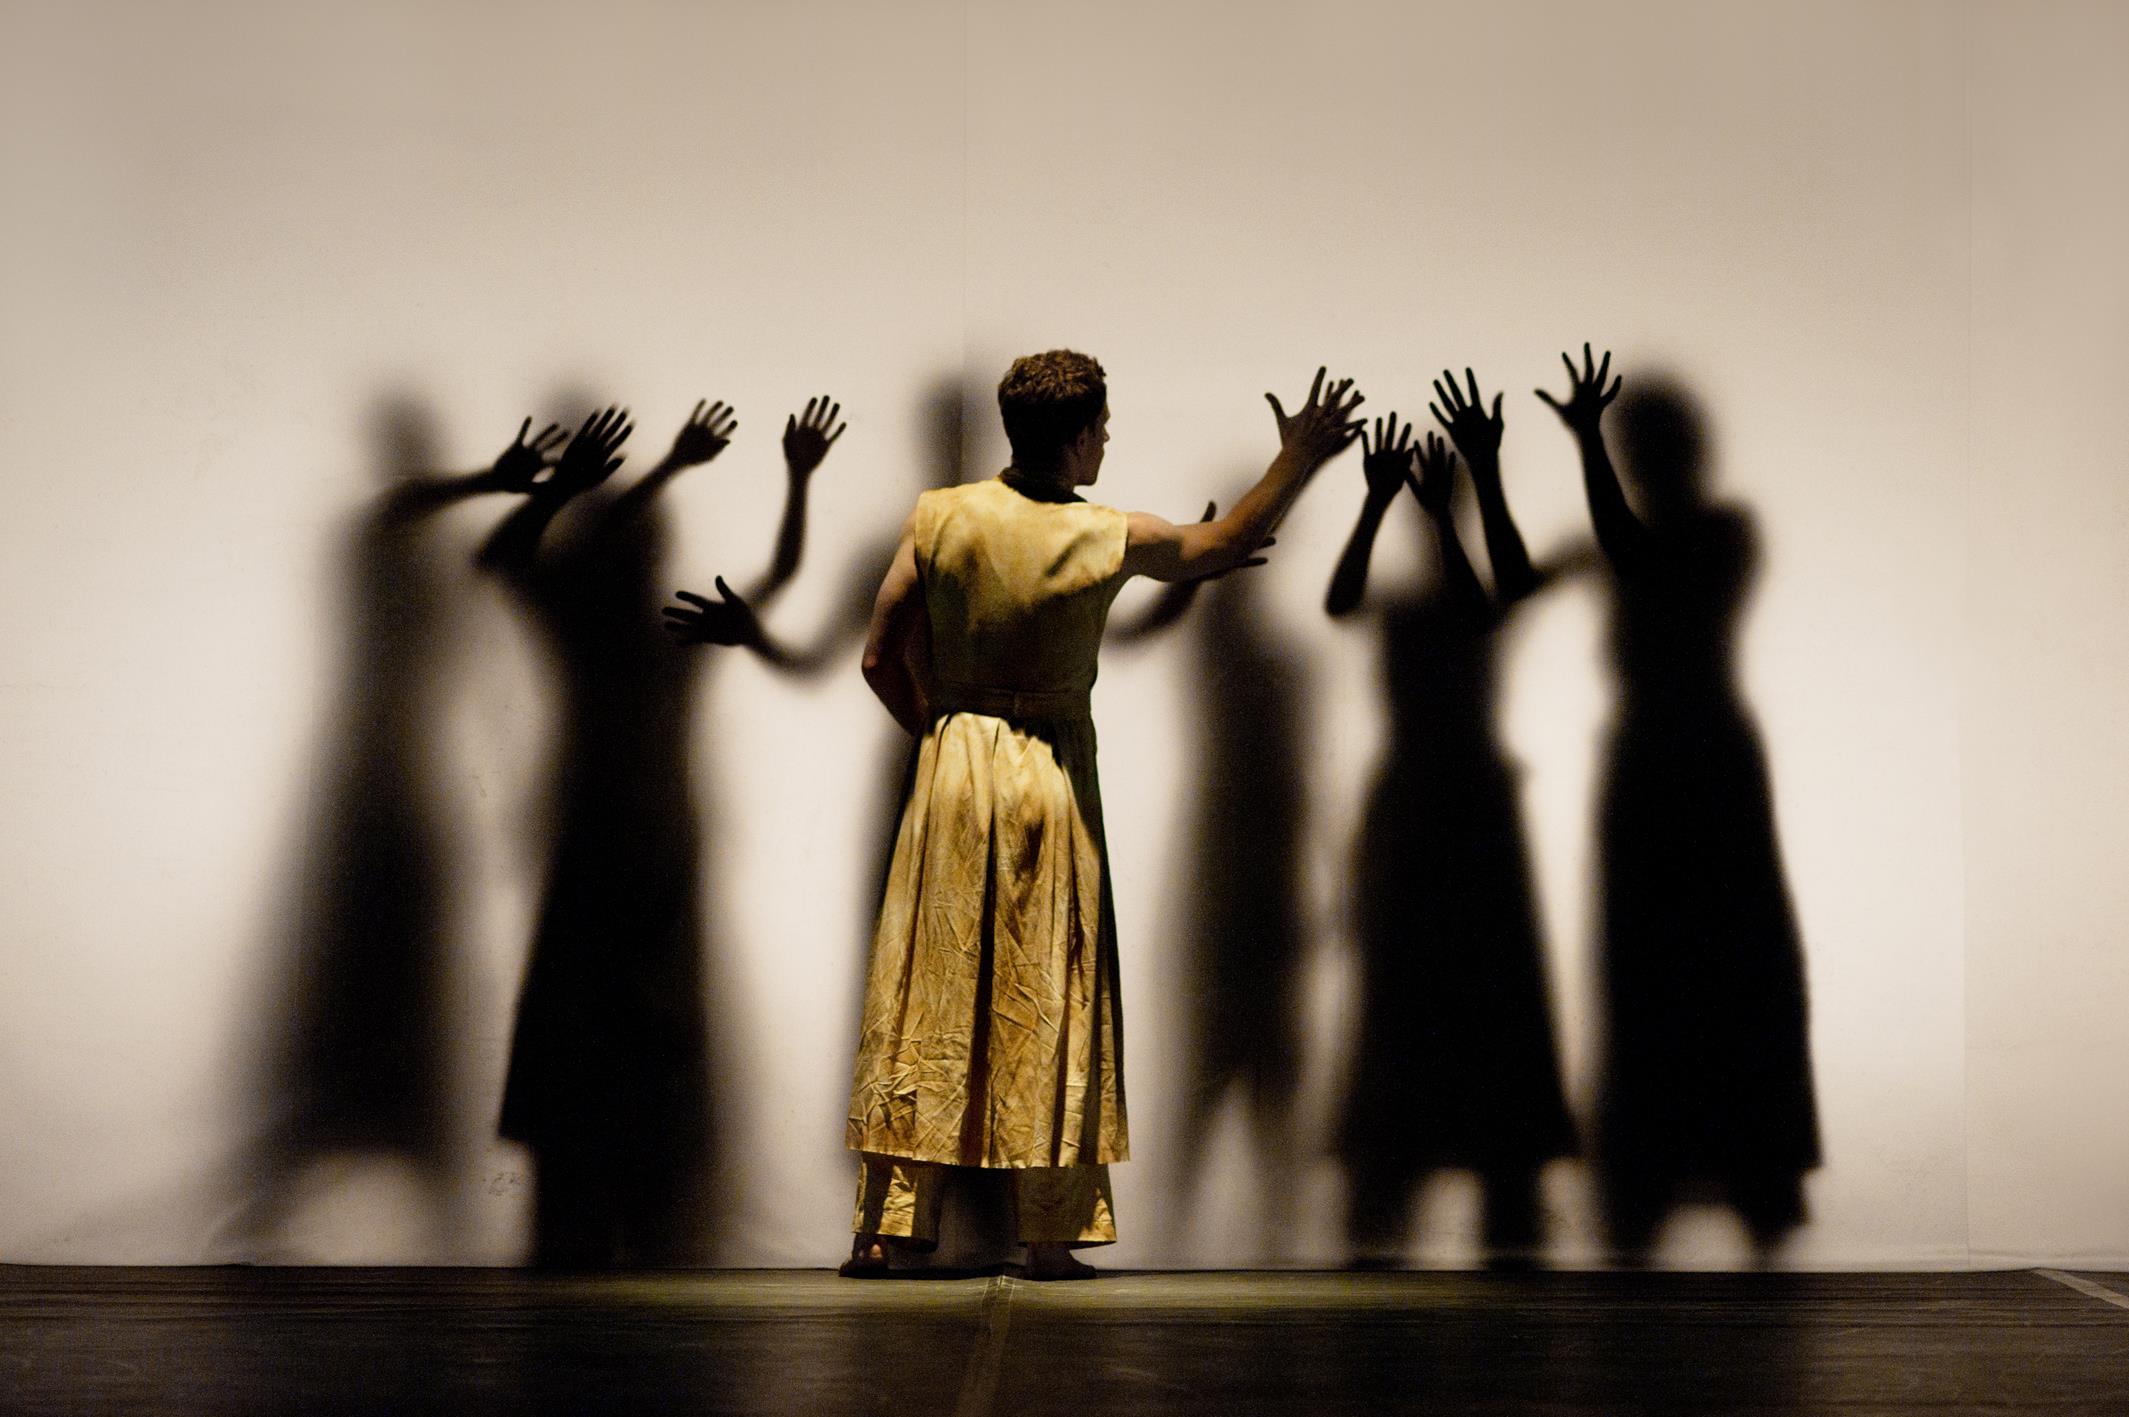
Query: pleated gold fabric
column 1052, row 1205
column 992, row 1034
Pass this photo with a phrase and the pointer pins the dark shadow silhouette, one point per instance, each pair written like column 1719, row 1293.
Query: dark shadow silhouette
column 608, row 1081
column 610, row 1065
column 1456, row 1065
column 1241, row 926
column 363, row 1066
column 1706, row 1090
column 609, row 1084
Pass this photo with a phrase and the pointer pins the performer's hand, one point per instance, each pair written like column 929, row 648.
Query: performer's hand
column 1323, row 427
column 1386, row 462
column 518, row 466
column 709, row 622
column 593, row 454
column 1587, row 397
column 808, row 436
column 1437, row 475
column 707, row 432
column 1476, row 433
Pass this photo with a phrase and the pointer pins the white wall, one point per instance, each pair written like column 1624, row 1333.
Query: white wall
column 232, row 232
column 2046, row 662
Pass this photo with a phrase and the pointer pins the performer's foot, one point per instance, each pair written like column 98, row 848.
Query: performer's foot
column 868, row 1260
column 1056, row 1262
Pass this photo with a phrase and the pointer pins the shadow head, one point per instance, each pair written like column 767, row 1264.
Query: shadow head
column 1661, row 434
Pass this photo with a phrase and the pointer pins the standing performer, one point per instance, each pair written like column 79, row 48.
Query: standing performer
column 992, row 1034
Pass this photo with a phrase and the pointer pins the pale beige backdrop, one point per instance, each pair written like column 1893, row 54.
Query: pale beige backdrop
column 1881, row 242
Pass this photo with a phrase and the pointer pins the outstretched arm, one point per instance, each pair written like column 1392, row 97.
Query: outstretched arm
column 1619, row 532
column 807, row 440
column 1314, row 435
column 1167, row 607
column 735, row 620
column 1386, row 465
column 1176, row 597
column 514, row 470
column 1477, row 435
column 1435, row 487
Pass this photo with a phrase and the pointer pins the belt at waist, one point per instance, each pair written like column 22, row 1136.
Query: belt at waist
column 1011, row 703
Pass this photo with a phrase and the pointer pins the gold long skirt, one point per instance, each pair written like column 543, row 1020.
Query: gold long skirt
column 992, row 1033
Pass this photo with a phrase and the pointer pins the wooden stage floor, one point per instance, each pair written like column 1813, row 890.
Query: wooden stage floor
column 242, row 1341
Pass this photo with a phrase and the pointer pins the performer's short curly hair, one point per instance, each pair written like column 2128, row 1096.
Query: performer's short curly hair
column 1047, row 400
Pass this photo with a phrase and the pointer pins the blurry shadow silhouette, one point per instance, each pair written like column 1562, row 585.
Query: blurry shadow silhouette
column 1706, row 1090
column 1241, row 899
column 363, row 1064
column 1456, row 1065
column 608, row 1084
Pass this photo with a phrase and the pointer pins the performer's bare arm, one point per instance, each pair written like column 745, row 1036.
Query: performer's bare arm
column 1316, row 433
column 897, row 624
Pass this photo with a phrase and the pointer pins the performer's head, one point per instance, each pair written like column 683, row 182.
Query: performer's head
column 1056, row 409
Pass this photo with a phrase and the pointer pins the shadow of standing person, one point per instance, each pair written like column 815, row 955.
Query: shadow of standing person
column 1243, row 939
column 1456, row 1066
column 608, row 1082
column 364, row 1068
column 1706, row 1090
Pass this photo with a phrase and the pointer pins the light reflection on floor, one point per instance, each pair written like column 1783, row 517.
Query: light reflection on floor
column 479, row 1341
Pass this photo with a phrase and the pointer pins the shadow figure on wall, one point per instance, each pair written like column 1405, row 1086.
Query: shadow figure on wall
column 609, row 1081
column 1241, row 918
column 1456, row 1066
column 1706, row 1091
column 365, row 1067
